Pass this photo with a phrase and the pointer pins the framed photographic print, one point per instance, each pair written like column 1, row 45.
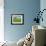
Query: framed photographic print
column 17, row 19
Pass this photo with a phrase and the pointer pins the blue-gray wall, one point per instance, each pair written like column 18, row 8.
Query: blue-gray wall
column 43, row 6
column 26, row 7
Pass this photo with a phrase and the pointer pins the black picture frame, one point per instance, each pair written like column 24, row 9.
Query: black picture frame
column 17, row 19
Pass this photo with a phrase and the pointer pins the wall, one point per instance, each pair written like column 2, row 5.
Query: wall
column 26, row 7
column 42, row 6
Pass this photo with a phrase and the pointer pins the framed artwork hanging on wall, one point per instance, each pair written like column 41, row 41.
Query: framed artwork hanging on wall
column 17, row 19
